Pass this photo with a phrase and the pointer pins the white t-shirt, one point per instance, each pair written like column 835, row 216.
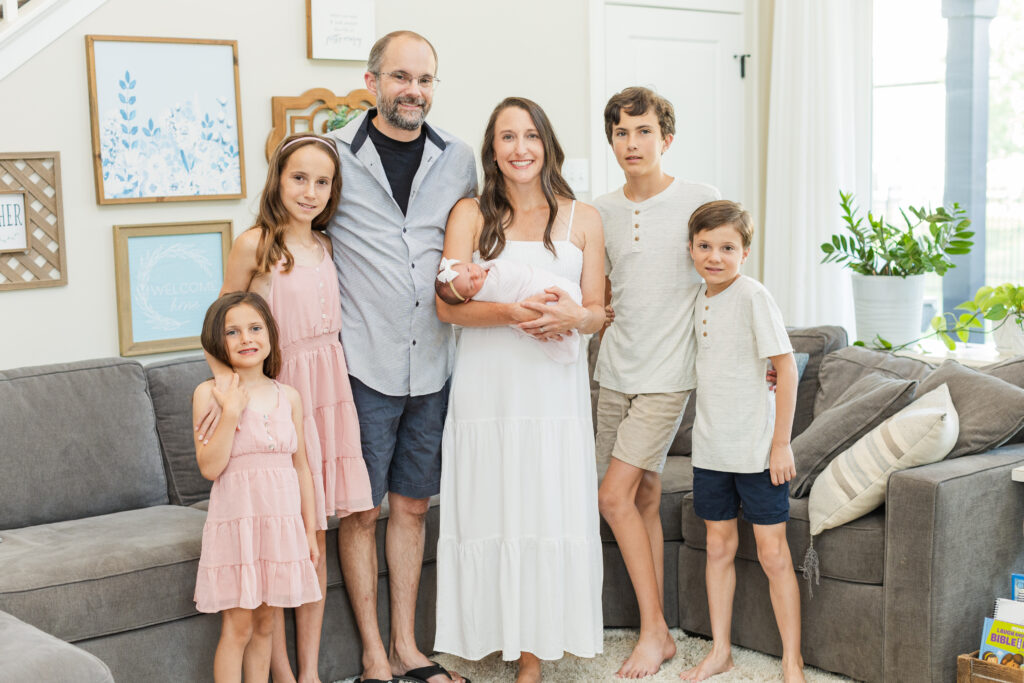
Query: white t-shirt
column 737, row 331
column 650, row 348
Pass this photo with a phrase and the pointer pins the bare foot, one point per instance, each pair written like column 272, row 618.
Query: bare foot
column 716, row 662
column 650, row 652
column 793, row 670
column 529, row 669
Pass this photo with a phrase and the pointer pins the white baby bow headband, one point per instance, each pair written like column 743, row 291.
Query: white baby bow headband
column 447, row 274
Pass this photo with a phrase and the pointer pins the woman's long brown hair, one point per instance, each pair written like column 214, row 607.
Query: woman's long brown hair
column 494, row 205
column 273, row 217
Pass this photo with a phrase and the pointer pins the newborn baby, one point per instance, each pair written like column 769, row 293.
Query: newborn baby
column 508, row 282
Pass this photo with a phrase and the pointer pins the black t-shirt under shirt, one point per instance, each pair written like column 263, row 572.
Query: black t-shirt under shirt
column 401, row 160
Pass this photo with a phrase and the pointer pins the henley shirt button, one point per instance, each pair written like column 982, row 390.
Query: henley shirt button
column 637, row 238
column 636, row 225
column 705, row 334
column 637, row 212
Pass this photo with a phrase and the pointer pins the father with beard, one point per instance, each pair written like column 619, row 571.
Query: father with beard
column 401, row 178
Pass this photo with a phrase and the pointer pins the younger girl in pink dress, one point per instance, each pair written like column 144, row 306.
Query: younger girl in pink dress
column 286, row 259
column 259, row 540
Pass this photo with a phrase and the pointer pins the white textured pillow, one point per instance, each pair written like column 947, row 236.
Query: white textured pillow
column 854, row 483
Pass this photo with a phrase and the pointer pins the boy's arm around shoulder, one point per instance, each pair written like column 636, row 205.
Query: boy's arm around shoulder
column 213, row 453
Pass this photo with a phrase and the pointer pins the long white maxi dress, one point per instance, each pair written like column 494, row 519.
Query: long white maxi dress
column 519, row 554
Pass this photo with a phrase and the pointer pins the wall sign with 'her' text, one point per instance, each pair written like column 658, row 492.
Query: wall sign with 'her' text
column 13, row 230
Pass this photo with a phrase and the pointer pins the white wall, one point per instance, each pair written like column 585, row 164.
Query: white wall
column 532, row 48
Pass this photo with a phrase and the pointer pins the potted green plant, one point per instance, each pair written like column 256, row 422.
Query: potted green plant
column 1003, row 305
column 889, row 264
column 341, row 116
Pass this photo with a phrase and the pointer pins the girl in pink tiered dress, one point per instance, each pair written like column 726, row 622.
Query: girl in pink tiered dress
column 259, row 540
column 286, row 259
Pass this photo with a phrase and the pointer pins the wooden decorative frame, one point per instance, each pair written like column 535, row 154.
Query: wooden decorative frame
column 309, row 112
column 344, row 29
column 167, row 276
column 44, row 264
column 178, row 141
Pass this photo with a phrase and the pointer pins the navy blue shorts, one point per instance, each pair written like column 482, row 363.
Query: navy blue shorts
column 401, row 440
column 717, row 496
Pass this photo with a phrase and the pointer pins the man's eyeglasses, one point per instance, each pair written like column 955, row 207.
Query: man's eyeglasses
column 403, row 79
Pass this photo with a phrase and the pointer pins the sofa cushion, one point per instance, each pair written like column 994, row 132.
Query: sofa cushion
column 171, row 384
column 676, row 482
column 28, row 654
column 991, row 411
column 78, row 439
column 863, row 405
column 91, row 577
column 1011, row 371
column 817, row 342
column 853, row 552
column 854, row 483
column 842, row 368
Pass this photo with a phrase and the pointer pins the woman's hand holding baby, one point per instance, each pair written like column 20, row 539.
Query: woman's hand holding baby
column 559, row 317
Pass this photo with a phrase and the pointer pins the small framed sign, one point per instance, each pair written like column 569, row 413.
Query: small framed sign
column 13, row 223
column 339, row 29
column 167, row 276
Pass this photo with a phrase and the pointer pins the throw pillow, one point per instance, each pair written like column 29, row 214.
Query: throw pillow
column 991, row 410
column 842, row 368
column 1011, row 371
column 854, row 483
column 858, row 410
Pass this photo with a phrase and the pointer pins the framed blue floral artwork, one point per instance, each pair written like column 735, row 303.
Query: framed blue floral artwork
column 167, row 275
column 166, row 119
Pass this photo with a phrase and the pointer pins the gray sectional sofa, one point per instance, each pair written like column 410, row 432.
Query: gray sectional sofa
column 101, row 511
column 101, row 516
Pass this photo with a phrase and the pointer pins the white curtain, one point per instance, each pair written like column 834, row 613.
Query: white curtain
column 819, row 141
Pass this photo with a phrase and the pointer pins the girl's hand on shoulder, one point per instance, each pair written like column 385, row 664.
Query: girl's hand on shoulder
column 234, row 398
column 781, row 464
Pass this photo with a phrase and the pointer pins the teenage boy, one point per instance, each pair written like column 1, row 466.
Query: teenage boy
column 645, row 365
column 741, row 449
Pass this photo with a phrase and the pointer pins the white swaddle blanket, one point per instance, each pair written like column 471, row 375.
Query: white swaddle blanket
column 508, row 282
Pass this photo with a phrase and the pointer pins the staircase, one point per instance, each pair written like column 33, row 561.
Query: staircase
column 28, row 26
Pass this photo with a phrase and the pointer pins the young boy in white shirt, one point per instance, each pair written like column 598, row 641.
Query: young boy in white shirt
column 741, row 434
column 645, row 364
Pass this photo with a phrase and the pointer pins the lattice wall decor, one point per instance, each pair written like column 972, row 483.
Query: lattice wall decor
column 309, row 112
column 44, row 264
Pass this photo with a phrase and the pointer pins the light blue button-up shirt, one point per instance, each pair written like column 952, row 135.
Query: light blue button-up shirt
column 387, row 261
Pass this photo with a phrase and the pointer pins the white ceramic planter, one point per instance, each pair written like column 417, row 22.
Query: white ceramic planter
column 1009, row 338
column 888, row 306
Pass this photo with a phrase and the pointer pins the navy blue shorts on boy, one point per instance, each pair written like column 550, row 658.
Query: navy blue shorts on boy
column 401, row 440
column 717, row 496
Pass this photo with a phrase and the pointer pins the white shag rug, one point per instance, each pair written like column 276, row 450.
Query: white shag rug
column 618, row 643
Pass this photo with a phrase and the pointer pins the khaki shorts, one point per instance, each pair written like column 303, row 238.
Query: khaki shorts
column 637, row 428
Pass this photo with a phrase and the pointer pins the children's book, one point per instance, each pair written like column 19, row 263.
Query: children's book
column 1002, row 643
column 1017, row 586
column 1009, row 610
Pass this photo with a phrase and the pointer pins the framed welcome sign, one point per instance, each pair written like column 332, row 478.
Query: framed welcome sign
column 167, row 276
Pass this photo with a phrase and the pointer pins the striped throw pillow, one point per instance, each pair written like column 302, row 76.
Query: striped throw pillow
column 854, row 483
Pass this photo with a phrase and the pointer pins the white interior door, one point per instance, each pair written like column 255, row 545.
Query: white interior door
column 688, row 57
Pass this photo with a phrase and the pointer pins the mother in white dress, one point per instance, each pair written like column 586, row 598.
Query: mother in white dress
column 519, row 553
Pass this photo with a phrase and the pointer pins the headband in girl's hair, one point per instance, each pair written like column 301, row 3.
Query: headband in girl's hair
column 447, row 274
column 327, row 144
